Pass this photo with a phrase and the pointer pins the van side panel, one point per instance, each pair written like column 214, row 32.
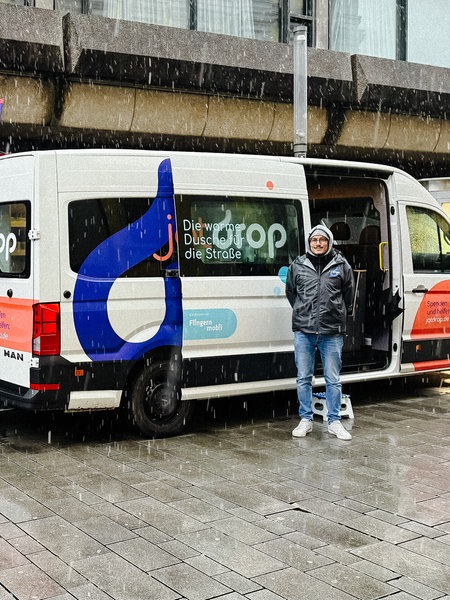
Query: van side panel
column 116, row 255
column 131, row 314
column 240, row 222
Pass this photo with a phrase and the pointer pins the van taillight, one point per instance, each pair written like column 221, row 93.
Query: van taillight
column 46, row 329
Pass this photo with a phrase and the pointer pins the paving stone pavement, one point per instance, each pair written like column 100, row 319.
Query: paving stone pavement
column 233, row 510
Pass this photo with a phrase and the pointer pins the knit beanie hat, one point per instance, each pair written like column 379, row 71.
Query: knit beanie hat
column 322, row 230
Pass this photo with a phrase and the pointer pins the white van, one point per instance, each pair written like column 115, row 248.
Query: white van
column 148, row 280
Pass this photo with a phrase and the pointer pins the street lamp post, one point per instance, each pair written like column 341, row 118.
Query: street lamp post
column 300, row 90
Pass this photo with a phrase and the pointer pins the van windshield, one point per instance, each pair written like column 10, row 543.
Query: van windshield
column 14, row 243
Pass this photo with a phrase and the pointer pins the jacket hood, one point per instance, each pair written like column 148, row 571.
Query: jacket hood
column 322, row 230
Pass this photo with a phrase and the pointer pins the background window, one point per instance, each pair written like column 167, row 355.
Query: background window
column 363, row 27
column 428, row 26
column 266, row 20
column 258, row 19
column 65, row 6
column 231, row 17
column 301, row 12
column 173, row 13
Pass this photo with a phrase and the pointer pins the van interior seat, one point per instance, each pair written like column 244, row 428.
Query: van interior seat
column 368, row 249
column 341, row 235
column 341, row 232
column 365, row 256
column 370, row 236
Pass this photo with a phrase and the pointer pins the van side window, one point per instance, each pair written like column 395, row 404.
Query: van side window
column 429, row 234
column 93, row 221
column 223, row 235
column 14, row 243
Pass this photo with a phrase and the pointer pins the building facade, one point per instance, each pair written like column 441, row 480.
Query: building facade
column 218, row 75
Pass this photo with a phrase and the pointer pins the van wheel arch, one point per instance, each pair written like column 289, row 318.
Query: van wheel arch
column 154, row 405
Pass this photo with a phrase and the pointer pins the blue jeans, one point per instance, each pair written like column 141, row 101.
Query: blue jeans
column 330, row 348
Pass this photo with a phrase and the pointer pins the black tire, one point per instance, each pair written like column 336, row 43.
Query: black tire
column 155, row 405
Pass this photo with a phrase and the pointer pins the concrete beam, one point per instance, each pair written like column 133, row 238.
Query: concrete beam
column 410, row 133
column 138, row 53
column 31, row 40
column 387, row 85
column 107, row 49
column 146, row 111
column 28, row 100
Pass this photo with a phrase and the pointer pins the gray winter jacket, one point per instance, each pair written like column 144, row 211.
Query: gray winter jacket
column 320, row 302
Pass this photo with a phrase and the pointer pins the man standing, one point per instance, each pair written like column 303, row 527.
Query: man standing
column 319, row 287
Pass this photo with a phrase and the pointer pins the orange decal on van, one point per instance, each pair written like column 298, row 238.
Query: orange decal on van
column 16, row 324
column 432, row 319
column 428, row 365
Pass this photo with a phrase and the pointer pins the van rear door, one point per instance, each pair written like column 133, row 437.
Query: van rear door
column 17, row 208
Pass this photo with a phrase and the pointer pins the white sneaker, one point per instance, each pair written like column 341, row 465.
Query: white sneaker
column 303, row 428
column 336, row 428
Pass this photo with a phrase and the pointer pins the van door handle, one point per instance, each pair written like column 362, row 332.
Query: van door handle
column 420, row 289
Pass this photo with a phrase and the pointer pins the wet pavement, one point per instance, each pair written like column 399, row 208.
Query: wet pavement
column 236, row 508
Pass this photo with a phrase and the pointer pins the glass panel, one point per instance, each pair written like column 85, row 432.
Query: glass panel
column 92, row 222
column 173, row 13
column 301, row 7
column 430, row 241
column 257, row 19
column 428, row 27
column 18, row 2
column 14, row 244
column 65, row 6
column 230, row 17
column 266, row 20
column 237, row 236
column 363, row 27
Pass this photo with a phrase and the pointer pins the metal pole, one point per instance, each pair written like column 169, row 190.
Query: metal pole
column 300, row 90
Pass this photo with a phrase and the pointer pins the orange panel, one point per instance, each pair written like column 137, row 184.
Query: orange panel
column 16, row 324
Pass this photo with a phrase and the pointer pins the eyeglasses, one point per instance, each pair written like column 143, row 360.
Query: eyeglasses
column 318, row 240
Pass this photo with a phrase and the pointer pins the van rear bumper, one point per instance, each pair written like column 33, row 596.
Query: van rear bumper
column 21, row 397
column 59, row 385
column 49, row 386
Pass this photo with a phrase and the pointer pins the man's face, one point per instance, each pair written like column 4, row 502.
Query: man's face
column 318, row 244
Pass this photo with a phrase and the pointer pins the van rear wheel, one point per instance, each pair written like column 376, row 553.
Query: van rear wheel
column 156, row 406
